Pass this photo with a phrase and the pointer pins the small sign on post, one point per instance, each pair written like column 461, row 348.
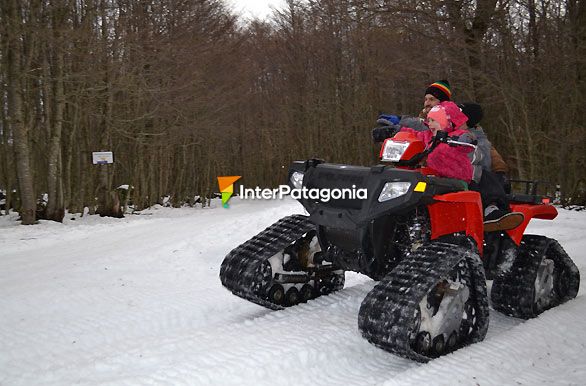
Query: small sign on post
column 102, row 157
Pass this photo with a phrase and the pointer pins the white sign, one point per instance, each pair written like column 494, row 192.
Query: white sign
column 102, row 157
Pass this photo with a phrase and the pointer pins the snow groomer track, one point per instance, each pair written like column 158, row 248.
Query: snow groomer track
column 137, row 301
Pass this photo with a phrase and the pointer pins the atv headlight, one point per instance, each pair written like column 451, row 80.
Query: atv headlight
column 393, row 150
column 393, row 190
column 297, row 180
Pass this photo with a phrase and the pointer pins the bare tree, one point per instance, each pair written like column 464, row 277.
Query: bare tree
column 15, row 76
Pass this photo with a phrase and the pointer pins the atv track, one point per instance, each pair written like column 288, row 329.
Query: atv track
column 247, row 272
column 386, row 314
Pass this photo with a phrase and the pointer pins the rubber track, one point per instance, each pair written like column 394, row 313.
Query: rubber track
column 513, row 289
column 241, row 270
column 386, row 314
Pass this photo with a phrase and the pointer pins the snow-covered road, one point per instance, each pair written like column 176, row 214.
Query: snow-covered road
column 138, row 301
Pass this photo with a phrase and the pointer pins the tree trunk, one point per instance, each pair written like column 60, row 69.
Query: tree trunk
column 108, row 202
column 55, row 206
column 15, row 116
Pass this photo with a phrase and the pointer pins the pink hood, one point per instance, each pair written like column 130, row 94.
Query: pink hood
column 455, row 115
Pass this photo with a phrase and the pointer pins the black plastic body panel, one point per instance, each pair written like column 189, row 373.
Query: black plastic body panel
column 361, row 234
column 354, row 214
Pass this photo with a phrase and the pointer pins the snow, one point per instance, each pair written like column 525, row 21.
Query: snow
column 138, row 301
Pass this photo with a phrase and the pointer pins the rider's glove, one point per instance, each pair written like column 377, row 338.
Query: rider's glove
column 379, row 134
column 392, row 119
column 441, row 136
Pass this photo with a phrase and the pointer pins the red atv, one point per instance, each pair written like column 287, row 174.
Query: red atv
column 422, row 236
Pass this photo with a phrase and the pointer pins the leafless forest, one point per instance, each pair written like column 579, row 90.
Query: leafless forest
column 183, row 91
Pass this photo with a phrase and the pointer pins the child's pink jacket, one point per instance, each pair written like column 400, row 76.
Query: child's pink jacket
column 448, row 161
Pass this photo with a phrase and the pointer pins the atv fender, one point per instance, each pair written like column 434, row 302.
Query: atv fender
column 457, row 212
column 544, row 211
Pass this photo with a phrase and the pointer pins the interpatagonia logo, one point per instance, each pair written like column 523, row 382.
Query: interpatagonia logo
column 303, row 193
column 227, row 188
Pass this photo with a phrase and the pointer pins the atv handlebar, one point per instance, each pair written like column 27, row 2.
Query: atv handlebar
column 459, row 143
column 440, row 137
